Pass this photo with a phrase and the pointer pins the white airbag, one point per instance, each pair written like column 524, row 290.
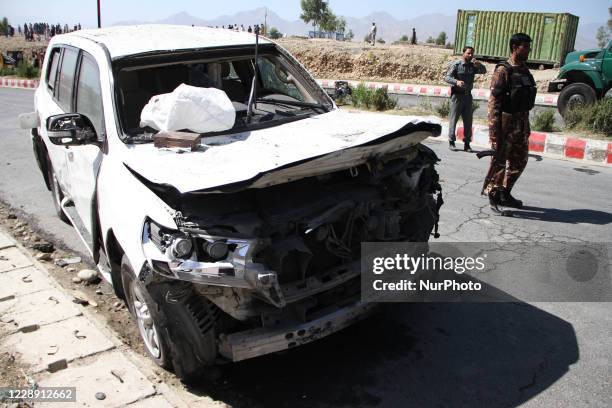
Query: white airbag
column 200, row 110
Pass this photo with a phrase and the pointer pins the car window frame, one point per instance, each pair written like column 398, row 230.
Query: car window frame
column 81, row 56
column 60, row 52
column 56, row 88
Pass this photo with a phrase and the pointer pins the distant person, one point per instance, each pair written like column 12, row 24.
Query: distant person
column 242, row 27
column 250, row 29
column 460, row 76
column 373, row 34
column 413, row 40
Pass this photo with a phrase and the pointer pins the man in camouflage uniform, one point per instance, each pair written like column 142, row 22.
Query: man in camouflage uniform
column 513, row 92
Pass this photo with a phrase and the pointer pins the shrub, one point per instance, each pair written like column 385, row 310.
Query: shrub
column 360, row 96
column 543, row 120
column 7, row 71
column 25, row 70
column 443, row 109
column 404, row 38
column 380, row 41
column 275, row 34
column 596, row 117
column 381, row 100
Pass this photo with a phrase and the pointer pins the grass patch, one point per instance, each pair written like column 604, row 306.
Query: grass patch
column 23, row 70
column 443, row 109
column 543, row 121
column 596, row 117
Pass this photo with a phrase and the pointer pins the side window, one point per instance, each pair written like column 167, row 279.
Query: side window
column 272, row 82
column 89, row 94
column 66, row 79
column 52, row 71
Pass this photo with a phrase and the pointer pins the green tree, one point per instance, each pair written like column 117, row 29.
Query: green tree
column 3, row 25
column 441, row 40
column 603, row 36
column 349, row 36
column 329, row 22
column 340, row 24
column 275, row 34
column 313, row 11
column 430, row 40
column 404, row 38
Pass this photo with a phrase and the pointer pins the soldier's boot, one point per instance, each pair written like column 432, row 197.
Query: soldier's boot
column 451, row 145
column 507, row 200
column 494, row 199
column 467, row 148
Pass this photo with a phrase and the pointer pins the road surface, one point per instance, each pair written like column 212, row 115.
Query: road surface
column 494, row 355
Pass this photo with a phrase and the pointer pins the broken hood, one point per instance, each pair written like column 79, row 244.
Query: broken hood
column 317, row 145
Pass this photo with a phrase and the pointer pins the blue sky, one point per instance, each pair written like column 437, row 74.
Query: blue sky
column 84, row 11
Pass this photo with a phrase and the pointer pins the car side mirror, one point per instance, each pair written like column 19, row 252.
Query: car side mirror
column 69, row 129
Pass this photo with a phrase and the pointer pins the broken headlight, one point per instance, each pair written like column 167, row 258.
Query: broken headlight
column 174, row 244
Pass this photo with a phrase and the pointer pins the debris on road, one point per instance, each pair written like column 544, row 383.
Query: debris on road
column 45, row 247
column 88, row 275
column 67, row 261
column 45, row 256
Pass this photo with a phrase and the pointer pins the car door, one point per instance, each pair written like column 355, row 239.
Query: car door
column 84, row 161
column 55, row 99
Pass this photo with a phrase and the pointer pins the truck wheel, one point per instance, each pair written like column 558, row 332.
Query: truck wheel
column 57, row 193
column 178, row 327
column 575, row 95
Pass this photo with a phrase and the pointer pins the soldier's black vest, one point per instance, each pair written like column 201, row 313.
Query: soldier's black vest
column 520, row 93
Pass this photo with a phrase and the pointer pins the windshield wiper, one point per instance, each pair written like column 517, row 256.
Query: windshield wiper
column 293, row 103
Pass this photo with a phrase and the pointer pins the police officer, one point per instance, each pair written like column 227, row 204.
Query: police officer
column 513, row 92
column 461, row 77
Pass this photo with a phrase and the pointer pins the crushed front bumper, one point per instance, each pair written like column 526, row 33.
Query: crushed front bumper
column 256, row 342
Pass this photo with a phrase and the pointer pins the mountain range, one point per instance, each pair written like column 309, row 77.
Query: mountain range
column 388, row 27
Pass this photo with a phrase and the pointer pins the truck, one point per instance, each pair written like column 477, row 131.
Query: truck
column 585, row 77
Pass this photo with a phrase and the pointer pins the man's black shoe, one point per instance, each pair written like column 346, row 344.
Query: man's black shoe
column 451, row 145
column 467, row 148
column 507, row 200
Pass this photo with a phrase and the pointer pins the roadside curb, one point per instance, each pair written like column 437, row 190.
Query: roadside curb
column 542, row 99
column 18, row 83
column 591, row 151
column 38, row 315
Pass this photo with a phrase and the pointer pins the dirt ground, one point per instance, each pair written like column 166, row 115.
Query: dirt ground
column 417, row 64
column 330, row 59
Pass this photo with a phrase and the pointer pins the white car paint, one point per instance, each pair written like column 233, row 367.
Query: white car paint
column 124, row 203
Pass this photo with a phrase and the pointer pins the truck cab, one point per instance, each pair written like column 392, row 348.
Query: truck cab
column 585, row 77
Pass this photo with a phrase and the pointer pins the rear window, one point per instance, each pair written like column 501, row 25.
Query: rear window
column 66, row 79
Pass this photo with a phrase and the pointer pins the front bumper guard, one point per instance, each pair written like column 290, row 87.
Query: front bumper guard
column 257, row 342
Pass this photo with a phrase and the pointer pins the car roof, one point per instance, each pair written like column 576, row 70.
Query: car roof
column 122, row 41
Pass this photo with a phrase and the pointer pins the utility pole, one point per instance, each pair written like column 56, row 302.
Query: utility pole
column 99, row 21
column 265, row 21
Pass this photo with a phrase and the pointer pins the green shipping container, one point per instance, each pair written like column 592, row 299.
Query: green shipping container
column 489, row 32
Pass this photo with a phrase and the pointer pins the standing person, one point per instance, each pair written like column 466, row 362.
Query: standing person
column 460, row 76
column 250, row 30
column 373, row 34
column 413, row 40
column 513, row 92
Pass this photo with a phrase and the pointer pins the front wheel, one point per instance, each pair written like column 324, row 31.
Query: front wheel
column 178, row 327
column 574, row 95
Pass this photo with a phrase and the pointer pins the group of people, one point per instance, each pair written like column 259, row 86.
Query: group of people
column 249, row 29
column 374, row 29
column 513, row 91
column 38, row 31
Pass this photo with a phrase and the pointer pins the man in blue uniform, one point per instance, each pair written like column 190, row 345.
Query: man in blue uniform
column 460, row 76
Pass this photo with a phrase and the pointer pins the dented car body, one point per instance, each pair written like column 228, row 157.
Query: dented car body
column 248, row 243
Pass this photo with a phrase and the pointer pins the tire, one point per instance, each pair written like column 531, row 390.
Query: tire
column 575, row 94
column 185, row 324
column 56, row 193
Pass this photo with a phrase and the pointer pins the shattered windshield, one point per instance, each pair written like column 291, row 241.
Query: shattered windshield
column 283, row 93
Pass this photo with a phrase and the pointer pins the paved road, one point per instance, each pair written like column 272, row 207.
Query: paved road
column 506, row 354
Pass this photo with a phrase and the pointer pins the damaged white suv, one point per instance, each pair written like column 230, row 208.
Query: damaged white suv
column 219, row 188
